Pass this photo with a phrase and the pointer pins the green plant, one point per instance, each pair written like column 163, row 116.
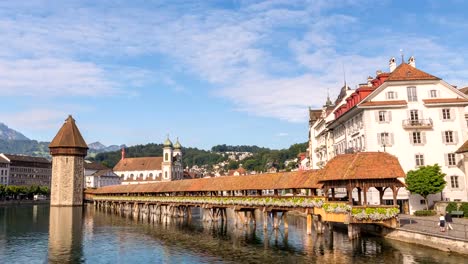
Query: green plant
column 424, row 213
column 464, row 208
column 452, row 206
column 426, row 180
column 374, row 214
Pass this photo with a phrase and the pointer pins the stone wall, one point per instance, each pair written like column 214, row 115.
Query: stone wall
column 67, row 181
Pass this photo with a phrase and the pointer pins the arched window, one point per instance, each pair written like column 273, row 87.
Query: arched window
column 132, row 176
column 166, row 157
column 165, row 174
column 151, row 176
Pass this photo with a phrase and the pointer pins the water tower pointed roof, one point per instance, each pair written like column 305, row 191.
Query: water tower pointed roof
column 69, row 136
column 168, row 142
column 177, row 145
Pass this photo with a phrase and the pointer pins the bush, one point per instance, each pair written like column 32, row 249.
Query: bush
column 452, row 206
column 424, row 213
column 464, row 208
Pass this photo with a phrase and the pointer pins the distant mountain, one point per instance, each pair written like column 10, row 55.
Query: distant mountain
column 98, row 147
column 7, row 133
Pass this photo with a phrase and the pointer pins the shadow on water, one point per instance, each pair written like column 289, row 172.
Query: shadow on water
column 39, row 234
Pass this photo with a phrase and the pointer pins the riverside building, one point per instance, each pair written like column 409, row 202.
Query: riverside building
column 406, row 112
column 23, row 170
column 152, row 169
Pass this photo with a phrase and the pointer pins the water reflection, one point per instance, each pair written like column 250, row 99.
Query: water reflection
column 65, row 235
column 76, row 235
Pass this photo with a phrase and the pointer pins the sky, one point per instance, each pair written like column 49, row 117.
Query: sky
column 208, row 72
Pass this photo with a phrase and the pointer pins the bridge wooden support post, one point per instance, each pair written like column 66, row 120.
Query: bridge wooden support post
column 275, row 220
column 309, row 224
column 265, row 219
column 318, row 224
column 284, row 216
column 354, row 231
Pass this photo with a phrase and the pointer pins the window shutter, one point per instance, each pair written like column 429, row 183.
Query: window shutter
column 411, row 138
column 420, row 115
column 455, row 137
column 423, row 137
column 392, row 141
column 379, row 141
column 441, row 116
column 386, row 95
column 429, row 94
column 389, row 116
column 395, row 95
column 446, row 159
column 377, row 116
column 452, row 113
column 443, row 137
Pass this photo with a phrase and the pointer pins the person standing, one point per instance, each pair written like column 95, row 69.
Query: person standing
column 442, row 222
column 448, row 220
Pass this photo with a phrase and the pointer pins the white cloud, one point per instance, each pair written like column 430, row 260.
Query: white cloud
column 52, row 77
column 282, row 134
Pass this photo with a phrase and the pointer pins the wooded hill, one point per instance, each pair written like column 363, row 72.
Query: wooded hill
column 262, row 160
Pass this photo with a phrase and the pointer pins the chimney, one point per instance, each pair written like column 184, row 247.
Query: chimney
column 369, row 81
column 412, row 62
column 123, row 154
column 392, row 64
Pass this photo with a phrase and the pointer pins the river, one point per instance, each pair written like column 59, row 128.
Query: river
column 39, row 234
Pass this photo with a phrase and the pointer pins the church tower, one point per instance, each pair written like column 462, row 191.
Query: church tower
column 167, row 161
column 178, row 168
column 68, row 150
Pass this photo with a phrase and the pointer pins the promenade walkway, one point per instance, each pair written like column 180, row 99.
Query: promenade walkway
column 428, row 225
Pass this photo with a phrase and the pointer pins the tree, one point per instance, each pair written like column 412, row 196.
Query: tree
column 425, row 180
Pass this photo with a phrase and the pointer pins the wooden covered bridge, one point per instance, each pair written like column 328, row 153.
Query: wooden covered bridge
column 274, row 195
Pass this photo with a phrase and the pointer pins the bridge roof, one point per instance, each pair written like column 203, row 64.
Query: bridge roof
column 268, row 181
column 362, row 166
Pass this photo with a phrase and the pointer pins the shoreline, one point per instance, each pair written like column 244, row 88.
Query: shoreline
column 24, row 202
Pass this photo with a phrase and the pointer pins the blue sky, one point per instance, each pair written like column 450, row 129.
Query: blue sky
column 209, row 72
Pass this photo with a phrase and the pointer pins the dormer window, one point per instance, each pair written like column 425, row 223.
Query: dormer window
column 391, row 95
column 433, row 93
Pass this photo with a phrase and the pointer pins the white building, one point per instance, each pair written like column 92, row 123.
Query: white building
column 97, row 175
column 408, row 113
column 4, row 170
column 152, row 169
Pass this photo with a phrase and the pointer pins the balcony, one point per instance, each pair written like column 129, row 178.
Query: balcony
column 417, row 123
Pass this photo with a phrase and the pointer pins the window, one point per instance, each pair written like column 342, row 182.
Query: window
column 446, row 114
column 382, row 115
column 448, row 136
column 419, row 159
column 433, row 93
column 165, row 174
column 451, row 159
column 166, row 157
column 412, row 97
column 384, row 139
column 391, row 95
column 414, row 115
column 454, row 182
column 416, row 137
column 151, row 175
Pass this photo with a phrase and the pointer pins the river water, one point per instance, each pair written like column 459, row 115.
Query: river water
column 39, row 234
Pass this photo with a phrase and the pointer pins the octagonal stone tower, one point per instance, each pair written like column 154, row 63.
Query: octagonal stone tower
column 68, row 150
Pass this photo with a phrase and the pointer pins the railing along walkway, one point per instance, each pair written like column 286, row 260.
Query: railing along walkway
column 429, row 225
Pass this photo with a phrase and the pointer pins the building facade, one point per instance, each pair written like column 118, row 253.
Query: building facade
column 152, row 169
column 97, row 175
column 406, row 112
column 23, row 170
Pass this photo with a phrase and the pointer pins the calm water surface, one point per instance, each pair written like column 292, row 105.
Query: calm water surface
column 39, row 234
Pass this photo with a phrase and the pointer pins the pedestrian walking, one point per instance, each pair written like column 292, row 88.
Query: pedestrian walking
column 442, row 222
column 448, row 220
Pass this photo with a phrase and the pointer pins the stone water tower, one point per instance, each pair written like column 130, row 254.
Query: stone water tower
column 68, row 150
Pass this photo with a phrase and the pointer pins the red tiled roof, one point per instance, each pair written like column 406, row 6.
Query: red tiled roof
column 445, row 100
column 139, row 164
column 384, row 103
column 268, row 181
column 464, row 90
column 69, row 136
column 361, row 166
column 463, row 148
column 406, row 72
column 241, row 171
